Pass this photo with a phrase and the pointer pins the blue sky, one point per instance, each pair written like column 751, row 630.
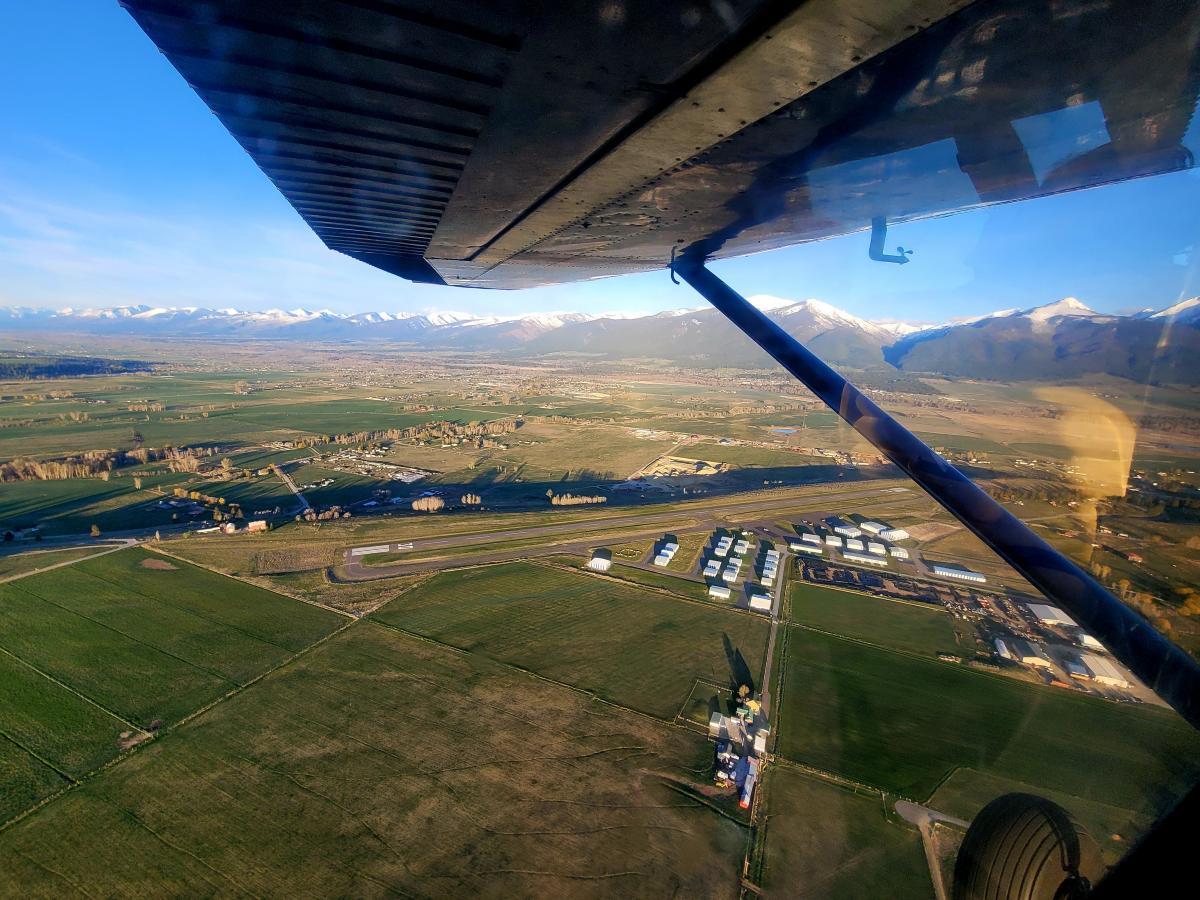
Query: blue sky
column 118, row 186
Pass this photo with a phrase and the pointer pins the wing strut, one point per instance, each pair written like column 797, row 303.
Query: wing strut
column 1162, row 666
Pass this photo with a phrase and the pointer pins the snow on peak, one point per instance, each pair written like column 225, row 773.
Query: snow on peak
column 1068, row 306
column 767, row 302
column 1183, row 311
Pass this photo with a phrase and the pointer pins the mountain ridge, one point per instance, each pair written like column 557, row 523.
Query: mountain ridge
column 1062, row 337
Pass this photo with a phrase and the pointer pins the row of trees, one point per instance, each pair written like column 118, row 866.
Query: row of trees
column 430, row 431
column 100, row 462
column 576, row 500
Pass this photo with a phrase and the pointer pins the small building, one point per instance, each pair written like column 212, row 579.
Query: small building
column 832, row 540
column 865, row 558
column 847, row 531
column 748, row 785
column 1091, row 643
column 877, row 548
column 723, row 546
column 731, row 571
column 809, row 538
column 742, row 547
column 662, row 559
column 958, row 574
column 894, row 534
column 1002, row 649
column 1104, row 672
column 229, row 528
column 854, row 544
column 814, row 549
column 720, row 592
column 712, row 568
column 1050, row 615
column 1030, row 653
column 599, row 564
column 898, row 552
column 1076, row 669
column 257, row 525
column 760, row 602
column 872, row 527
column 760, row 740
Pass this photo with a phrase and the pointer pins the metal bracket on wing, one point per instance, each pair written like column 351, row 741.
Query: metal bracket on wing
column 878, row 235
column 1158, row 663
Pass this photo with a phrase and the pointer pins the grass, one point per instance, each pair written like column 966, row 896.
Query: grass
column 33, row 560
column 926, row 630
column 87, row 649
column 318, row 781
column 138, row 681
column 820, row 840
column 637, row 648
column 902, row 724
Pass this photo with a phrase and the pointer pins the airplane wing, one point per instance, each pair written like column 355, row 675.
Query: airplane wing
column 506, row 144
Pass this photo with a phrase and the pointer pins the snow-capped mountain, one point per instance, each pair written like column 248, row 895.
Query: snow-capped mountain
column 1063, row 337
column 1184, row 311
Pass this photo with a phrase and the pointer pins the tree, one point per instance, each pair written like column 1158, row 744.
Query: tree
column 241, row 387
column 137, row 482
column 95, row 531
column 428, row 504
column 471, row 500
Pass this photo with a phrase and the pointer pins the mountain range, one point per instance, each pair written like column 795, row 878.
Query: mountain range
column 1060, row 339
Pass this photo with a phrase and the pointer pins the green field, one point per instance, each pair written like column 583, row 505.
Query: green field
column 927, row 630
column 382, row 765
column 632, row 646
column 33, row 560
column 902, row 724
column 820, row 840
column 96, row 652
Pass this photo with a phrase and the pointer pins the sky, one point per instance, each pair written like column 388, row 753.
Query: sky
column 118, row 186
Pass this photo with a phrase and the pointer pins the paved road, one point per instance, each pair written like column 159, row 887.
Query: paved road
column 589, row 532
column 101, row 550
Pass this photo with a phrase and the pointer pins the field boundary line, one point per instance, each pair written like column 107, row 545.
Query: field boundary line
column 70, row 779
column 66, row 562
column 156, row 737
column 596, row 698
column 135, row 640
column 647, row 587
column 77, row 693
column 167, row 553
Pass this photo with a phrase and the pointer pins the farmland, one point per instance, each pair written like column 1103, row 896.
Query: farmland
column 835, row 843
column 631, row 646
column 515, row 787
column 887, row 623
column 902, row 723
column 98, row 655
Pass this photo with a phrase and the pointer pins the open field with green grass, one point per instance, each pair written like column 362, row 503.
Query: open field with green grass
column 820, row 840
column 96, row 654
column 378, row 764
column 33, row 560
column 635, row 647
column 927, row 630
column 903, row 724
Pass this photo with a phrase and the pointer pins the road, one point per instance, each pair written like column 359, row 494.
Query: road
column 287, row 479
column 588, row 533
column 101, row 550
column 776, row 614
column 925, row 818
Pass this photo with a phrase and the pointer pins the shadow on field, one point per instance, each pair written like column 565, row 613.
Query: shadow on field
column 739, row 671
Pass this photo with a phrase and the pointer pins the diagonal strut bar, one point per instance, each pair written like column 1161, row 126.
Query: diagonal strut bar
column 1162, row 666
